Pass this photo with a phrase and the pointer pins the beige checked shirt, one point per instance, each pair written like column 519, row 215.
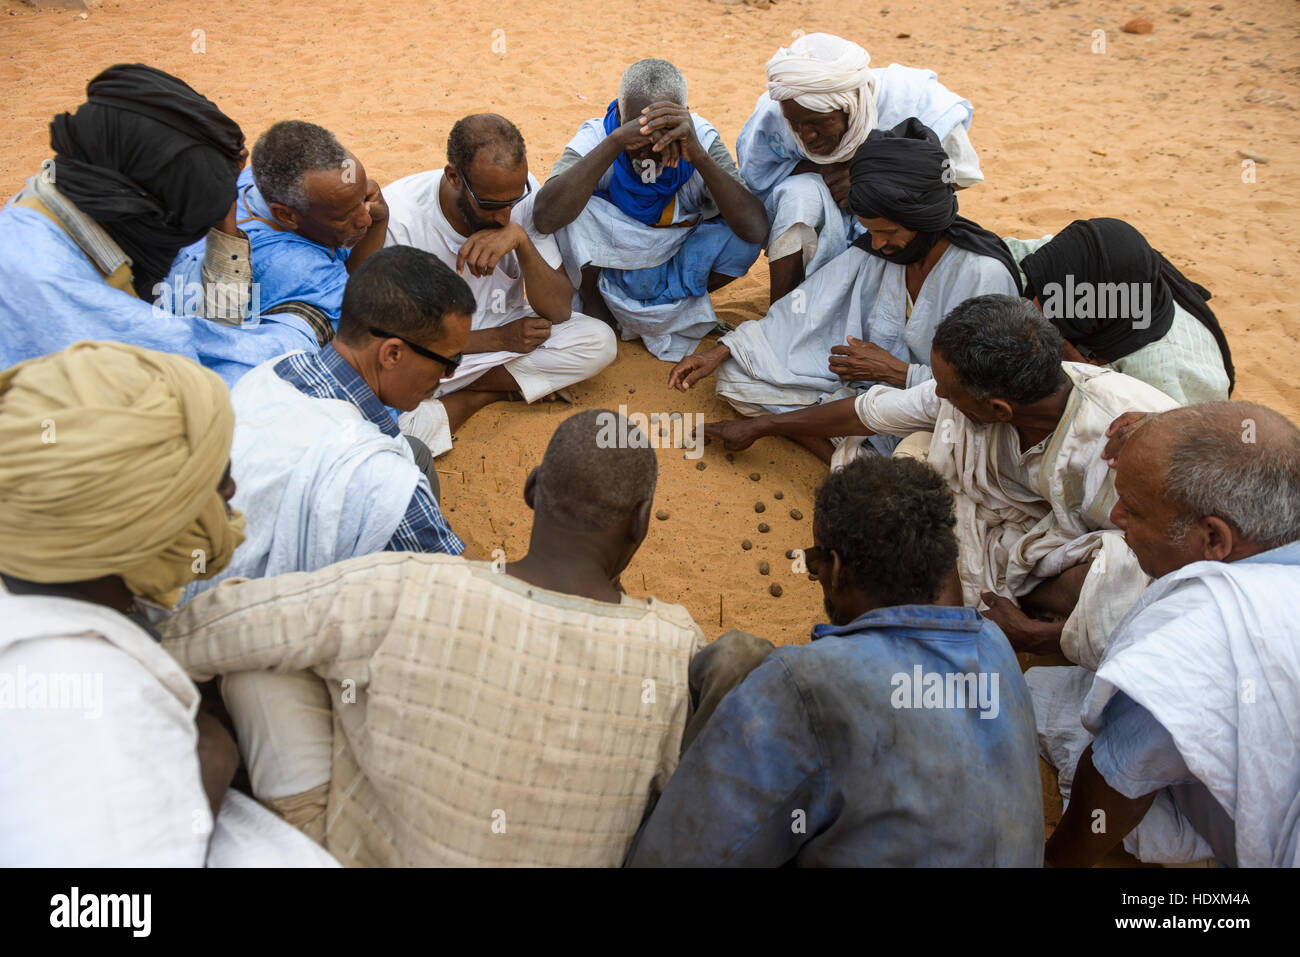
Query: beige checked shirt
column 477, row 720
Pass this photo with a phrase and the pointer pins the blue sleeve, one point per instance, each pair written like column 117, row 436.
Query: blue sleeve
column 750, row 789
column 1134, row 752
column 289, row 269
column 423, row 528
column 54, row 296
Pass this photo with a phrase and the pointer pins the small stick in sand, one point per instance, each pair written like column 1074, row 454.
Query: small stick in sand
column 644, row 587
column 719, row 609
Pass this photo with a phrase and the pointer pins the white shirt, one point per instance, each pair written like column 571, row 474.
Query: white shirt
column 415, row 218
column 104, row 773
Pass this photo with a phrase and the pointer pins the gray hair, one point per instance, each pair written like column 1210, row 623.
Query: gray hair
column 649, row 81
column 1002, row 347
column 286, row 153
column 1239, row 462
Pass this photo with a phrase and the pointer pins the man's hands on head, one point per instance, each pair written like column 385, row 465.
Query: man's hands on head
column 487, row 247
column 1118, row 433
column 860, row 361
column 673, row 131
column 668, row 126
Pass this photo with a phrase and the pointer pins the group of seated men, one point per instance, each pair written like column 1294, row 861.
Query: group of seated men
column 225, row 387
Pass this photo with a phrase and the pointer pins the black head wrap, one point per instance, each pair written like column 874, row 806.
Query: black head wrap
column 151, row 161
column 1098, row 251
column 904, row 175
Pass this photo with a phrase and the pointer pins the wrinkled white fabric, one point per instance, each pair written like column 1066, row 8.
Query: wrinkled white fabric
column 779, row 363
column 1024, row 516
column 114, row 782
column 1163, row 836
column 318, row 481
column 1212, row 651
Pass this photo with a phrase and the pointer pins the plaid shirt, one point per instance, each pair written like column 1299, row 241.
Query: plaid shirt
column 327, row 375
column 478, row 719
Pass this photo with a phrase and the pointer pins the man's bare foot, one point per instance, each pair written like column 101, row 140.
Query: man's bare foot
column 463, row 404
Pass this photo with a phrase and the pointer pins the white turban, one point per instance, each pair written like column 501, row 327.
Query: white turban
column 824, row 73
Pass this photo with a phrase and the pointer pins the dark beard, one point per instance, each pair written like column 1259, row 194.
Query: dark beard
column 466, row 210
column 913, row 252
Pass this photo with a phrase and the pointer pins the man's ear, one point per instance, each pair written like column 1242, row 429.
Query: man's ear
column 640, row 524
column 835, row 582
column 452, row 174
column 1002, row 410
column 286, row 216
column 390, row 353
column 1218, row 538
column 530, row 489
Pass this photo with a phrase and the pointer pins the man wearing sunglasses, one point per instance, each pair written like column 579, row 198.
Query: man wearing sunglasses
column 325, row 475
column 902, row 735
column 475, row 215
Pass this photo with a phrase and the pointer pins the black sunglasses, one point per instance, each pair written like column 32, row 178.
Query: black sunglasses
column 495, row 204
column 449, row 364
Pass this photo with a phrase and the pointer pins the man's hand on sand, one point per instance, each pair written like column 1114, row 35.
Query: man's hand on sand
column 487, row 247
column 526, row 334
column 1118, row 433
column 736, row 434
column 692, row 369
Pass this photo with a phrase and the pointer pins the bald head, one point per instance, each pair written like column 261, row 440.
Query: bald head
column 496, row 137
column 587, row 482
column 1237, row 460
column 1215, row 481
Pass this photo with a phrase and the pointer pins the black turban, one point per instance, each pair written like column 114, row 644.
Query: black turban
column 151, row 161
column 903, row 175
column 1097, row 251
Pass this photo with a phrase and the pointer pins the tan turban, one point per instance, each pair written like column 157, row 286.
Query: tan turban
column 110, row 458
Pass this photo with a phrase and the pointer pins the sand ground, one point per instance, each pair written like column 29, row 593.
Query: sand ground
column 1069, row 122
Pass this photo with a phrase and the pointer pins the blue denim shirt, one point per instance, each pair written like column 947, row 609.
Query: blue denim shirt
column 871, row 747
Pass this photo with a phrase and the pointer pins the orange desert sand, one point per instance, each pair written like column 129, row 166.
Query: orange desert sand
column 1189, row 132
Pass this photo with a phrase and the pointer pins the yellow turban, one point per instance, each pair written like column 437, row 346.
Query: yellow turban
column 110, row 458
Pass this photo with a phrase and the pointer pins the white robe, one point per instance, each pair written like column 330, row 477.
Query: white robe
column 1214, row 655
column 779, row 363
column 1024, row 516
column 317, row 481
column 115, row 782
column 768, row 152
